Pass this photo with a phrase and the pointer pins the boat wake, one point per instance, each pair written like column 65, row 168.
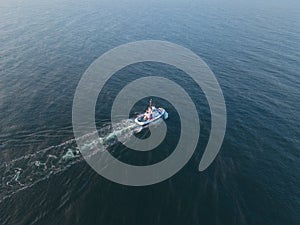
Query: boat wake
column 24, row 172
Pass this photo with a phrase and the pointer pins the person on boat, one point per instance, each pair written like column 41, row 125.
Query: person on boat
column 147, row 114
column 150, row 109
column 146, row 117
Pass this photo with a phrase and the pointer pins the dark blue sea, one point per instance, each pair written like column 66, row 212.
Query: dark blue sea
column 252, row 47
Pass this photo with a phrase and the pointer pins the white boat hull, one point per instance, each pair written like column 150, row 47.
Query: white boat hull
column 161, row 114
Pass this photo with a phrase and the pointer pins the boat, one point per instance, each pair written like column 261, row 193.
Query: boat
column 152, row 114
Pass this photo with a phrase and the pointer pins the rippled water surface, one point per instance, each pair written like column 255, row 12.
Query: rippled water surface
column 253, row 49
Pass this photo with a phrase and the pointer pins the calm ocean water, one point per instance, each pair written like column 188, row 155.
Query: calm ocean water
column 253, row 49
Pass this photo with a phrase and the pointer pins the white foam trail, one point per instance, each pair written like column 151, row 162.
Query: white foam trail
column 30, row 169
